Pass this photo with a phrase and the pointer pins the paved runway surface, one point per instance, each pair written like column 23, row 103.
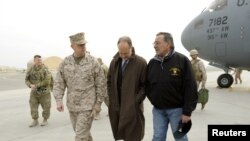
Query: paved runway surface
column 225, row 106
column 11, row 81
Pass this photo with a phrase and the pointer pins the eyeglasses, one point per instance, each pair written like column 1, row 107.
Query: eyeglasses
column 157, row 43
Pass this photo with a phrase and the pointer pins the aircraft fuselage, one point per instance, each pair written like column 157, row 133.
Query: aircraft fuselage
column 221, row 33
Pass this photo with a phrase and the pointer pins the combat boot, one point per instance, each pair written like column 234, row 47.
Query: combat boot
column 44, row 123
column 34, row 123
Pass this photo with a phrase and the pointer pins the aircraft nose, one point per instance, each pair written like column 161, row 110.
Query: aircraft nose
column 186, row 38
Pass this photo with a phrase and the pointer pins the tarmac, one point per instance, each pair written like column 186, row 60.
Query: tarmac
column 225, row 106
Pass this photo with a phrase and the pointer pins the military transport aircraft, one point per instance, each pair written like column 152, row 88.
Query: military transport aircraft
column 221, row 34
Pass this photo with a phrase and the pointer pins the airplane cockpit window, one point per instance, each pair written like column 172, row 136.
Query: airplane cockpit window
column 216, row 5
column 199, row 23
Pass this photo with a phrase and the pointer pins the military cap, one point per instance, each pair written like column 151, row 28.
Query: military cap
column 182, row 130
column 194, row 52
column 78, row 38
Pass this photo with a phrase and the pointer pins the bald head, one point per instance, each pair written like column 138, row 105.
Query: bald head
column 125, row 50
column 125, row 47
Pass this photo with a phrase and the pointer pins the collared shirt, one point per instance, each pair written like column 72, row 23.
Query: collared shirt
column 124, row 63
column 162, row 58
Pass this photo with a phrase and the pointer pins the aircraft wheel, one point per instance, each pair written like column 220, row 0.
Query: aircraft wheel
column 225, row 80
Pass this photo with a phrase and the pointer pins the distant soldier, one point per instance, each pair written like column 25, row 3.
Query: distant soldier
column 38, row 78
column 199, row 71
column 106, row 98
column 237, row 75
column 82, row 76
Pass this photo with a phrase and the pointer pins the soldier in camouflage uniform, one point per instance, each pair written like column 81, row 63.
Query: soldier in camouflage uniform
column 84, row 79
column 38, row 78
column 199, row 71
column 106, row 98
column 237, row 75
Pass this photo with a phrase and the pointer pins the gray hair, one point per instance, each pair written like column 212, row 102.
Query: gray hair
column 125, row 39
column 167, row 38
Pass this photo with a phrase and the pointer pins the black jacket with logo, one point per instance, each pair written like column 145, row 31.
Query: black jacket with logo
column 171, row 83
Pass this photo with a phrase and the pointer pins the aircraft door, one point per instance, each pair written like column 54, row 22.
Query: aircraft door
column 220, row 49
column 245, row 34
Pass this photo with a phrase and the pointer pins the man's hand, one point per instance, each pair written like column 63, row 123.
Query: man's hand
column 96, row 109
column 93, row 113
column 185, row 118
column 60, row 107
column 203, row 85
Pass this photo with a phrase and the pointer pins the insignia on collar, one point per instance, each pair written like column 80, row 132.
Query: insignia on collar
column 175, row 71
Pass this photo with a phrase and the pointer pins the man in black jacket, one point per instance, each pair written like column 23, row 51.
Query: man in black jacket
column 171, row 87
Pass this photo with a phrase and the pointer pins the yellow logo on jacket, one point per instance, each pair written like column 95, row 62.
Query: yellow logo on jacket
column 175, row 71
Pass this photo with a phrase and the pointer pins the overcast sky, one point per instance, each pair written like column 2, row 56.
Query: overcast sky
column 29, row 27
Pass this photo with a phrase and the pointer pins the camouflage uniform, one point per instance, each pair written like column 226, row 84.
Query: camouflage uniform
column 41, row 78
column 237, row 76
column 106, row 98
column 199, row 72
column 85, row 83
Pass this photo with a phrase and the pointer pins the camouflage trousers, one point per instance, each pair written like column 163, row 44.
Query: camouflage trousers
column 82, row 122
column 44, row 100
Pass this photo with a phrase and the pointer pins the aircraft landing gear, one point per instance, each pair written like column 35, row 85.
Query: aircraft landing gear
column 225, row 80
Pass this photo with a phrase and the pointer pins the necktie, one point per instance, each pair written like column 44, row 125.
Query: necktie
column 124, row 64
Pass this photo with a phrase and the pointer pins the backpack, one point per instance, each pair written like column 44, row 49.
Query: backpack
column 203, row 96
